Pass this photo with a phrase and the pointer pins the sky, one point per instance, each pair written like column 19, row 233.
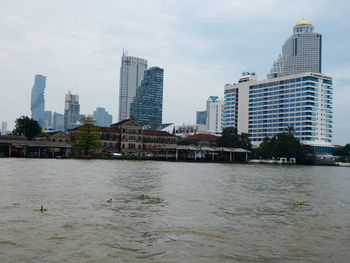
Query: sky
column 202, row 45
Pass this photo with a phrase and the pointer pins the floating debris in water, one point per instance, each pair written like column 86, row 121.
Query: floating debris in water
column 148, row 197
column 301, row 204
column 42, row 209
column 110, row 200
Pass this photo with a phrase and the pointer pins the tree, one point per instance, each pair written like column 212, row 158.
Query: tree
column 86, row 137
column 285, row 145
column 342, row 151
column 231, row 138
column 27, row 127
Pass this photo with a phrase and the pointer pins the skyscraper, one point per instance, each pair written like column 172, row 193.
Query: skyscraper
column 3, row 128
column 57, row 121
column 71, row 111
column 295, row 96
column 47, row 119
column 147, row 106
column 302, row 52
column 102, row 117
column 131, row 75
column 213, row 120
column 37, row 105
column 201, row 117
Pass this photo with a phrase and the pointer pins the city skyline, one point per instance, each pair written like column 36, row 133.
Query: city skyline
column 200, row 51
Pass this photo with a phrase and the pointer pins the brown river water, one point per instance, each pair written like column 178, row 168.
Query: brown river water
column 208, row 212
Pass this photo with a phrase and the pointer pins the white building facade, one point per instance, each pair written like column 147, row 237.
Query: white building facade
column 214, row 111
column 268, row 107
column 131, row 74
column 3, row 128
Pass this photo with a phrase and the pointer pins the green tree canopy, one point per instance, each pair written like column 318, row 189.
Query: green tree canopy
column 343, row 151
column 285, row 145
column 86, row 137
column 26, row 127
column 231, row 138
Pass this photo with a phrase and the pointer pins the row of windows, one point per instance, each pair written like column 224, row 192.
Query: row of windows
column 284, row 106
column 274, row 95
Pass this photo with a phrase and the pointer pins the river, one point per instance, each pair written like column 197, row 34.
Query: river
column 207, row 212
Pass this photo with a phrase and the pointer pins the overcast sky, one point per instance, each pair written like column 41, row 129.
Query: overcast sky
column 201, row 45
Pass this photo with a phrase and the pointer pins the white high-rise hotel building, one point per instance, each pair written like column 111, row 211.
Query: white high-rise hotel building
column 131, row 74
column 295, row 94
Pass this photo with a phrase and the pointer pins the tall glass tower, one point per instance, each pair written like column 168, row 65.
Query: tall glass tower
column 302, row 52
column 71, row 111
column 37, row 104
column 147, row 106
column 131, row 75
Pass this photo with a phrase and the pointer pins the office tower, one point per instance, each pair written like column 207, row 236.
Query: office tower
column 47, row 119
column 268, row 107
column 37, row 105
column 213, row 120
column 302, row 52
column 3, row 128
column 71, row 111
column 102, row 117
column 57, row 121
column 131, row 75
column 201, row 117
column 147, row 106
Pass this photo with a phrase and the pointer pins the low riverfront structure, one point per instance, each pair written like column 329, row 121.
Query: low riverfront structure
column 198, row 153
column 20, row 146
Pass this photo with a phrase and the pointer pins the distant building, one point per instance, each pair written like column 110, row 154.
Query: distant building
column 187, row 130
column 131, row 74
column 201, row 117
column 57, row 121
column 47, row 119
column 147, row 107
column 102, row 117
column 302, row 52
column 71, row 111
column 3, row 128
column 37, row 104
column 213, row 120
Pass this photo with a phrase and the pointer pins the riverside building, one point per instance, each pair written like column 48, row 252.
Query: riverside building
column 131, row 74
column 295, row 95
column 268, row 107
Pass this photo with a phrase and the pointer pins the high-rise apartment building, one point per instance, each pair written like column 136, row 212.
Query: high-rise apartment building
column 57, row 121
column 71, row 111
column 213, row 120
column 295, row 95
column 302, row 52
column 131, row 74
column 37, row 104
column 3, row 128
column 201, row 117
column 147, row 106
column 268, row 107
column 102, row 117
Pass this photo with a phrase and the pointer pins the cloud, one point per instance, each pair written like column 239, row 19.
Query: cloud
column 201, row 44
